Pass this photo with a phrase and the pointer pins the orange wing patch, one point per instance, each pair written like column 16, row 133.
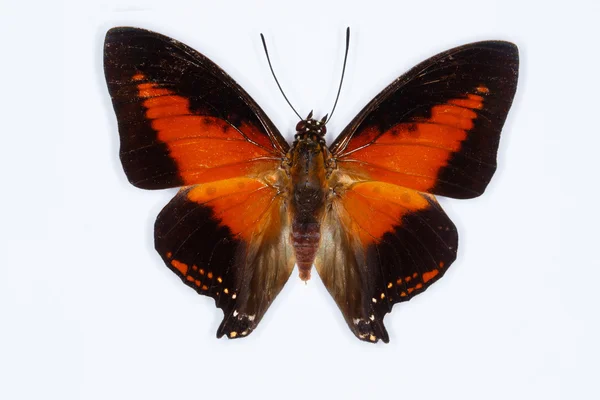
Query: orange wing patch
column 482, row 89
column 202, row 145
column 374, row 208
column 411, row 154
column 239, row 203
column 181, row 267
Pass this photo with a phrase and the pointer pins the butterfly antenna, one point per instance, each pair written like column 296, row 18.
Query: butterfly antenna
column 273, row 72
column 343, row 72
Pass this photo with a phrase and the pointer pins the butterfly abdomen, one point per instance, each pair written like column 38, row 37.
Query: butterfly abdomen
column 307, row 203
column 305, row 239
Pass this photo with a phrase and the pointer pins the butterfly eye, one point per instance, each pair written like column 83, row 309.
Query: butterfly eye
column 300, row 126
column 322, row 130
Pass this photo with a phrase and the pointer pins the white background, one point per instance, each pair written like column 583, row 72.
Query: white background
column 88, row 310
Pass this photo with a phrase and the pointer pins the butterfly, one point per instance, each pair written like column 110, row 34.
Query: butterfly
column 362, row 210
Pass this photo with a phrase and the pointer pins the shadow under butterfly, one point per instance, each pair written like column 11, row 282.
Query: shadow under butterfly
column 362, row 210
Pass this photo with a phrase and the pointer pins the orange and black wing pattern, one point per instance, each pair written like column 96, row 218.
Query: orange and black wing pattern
column 185, row 122
column 433, row 131
column 436, row 129
column 382, row 244
column 182, row 119
column 229, row 240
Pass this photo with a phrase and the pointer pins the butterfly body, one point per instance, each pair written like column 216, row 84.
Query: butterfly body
column 308, row 163
column 362, row 210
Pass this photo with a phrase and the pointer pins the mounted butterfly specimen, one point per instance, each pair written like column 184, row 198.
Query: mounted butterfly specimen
column 362, row 210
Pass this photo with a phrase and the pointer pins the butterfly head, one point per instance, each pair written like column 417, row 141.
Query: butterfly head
column 312, row 128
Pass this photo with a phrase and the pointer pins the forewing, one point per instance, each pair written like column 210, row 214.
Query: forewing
column 382, row 244
column 436, row 129
column 229, row 240
column 183, row 120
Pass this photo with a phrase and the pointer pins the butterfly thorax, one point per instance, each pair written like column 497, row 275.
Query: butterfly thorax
column 308, row 160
